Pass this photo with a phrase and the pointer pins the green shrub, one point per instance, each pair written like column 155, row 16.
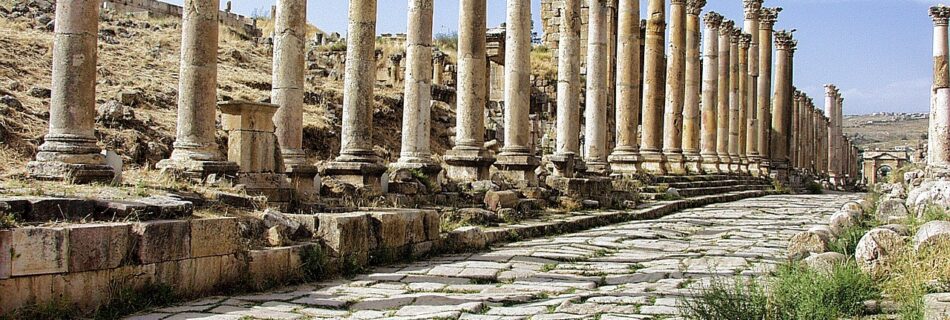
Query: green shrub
column 814, row 188
column 802, row 294
column 847, row 241
column 736, row 299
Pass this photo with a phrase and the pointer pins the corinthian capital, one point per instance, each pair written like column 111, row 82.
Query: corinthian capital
column 695, row 7
column 830, row 90
column 752, row 8
column 745, row 41
column 713, row 20
column 784, row 40
column 727, row 28
column 940, row 14
column 736, row 35
column 768, row 16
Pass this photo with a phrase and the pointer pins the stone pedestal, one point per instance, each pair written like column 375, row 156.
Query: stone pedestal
column 69, row 151
column 467, row 165
column 518, row 168
column 253, row 146
column 196, row 154
column 565, row 165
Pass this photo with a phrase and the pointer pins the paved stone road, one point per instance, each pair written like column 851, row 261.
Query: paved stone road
column 634, row 270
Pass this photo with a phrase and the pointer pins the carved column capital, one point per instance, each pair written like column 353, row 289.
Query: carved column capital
column 727, row 28
column 768, row 16
column 752, row 8
column 784, row 40
column 940, row 15
column 713, row 20
column 736, row 36
column 695, row 7
column 745, row 41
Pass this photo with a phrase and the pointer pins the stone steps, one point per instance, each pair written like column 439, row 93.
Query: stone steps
column 704, row 185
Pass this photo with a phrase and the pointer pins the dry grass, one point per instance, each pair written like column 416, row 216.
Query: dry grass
column 907, row 275
column 543, row 63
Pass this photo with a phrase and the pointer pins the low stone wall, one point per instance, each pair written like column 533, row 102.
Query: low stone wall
column 85, row 266
column 155, row 8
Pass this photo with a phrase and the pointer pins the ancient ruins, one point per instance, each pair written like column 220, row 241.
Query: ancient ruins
column 650, row 123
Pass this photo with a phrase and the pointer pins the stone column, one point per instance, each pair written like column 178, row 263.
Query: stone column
column 745, row 122
column 693, row 94
column 839, row 137
column 196, row 153
column 568, row 90
column 794, row 131
column 734, row 162
column 675, row 90
column 625, row 158
column 767, row 18
column 938, row 156
column 358, row 164
column 469, row 160
column 831, row 99
column 781, row 115
column 653, row 85
column 595, row 139
column 438, row 68
column 516, row 160
column 69, row 151
column 751, row 10
column 290, row 36
column 416, row 116
column 710, row 127
column 612, row 33
column 725, row 90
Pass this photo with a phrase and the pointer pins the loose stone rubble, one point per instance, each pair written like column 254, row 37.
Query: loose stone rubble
column 631, row 270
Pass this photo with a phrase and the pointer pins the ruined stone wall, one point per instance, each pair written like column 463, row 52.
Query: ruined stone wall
column 155, row 8
column 551, row 25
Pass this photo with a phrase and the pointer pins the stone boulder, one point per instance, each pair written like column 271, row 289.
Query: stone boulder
column 495, row 200
column 932, row 192
column 825, row 262
column 891, row 209
column 807, row 243
column 842, row 220
column 932, row 233
column 282, row 229
column 853, row 206
column 896, row 227
column 912, row 175
column 876, row 247
column 936, row 306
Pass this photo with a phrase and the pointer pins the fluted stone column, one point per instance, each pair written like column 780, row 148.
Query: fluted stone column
column 290, row 36
column 710, row 123
column 595, row 146
column 516, row 160
column 725, row 90
column 781, row 115
column 745, row 40
column 831, row 101
column 469, row 160
column 625, row 158
column 196, row 153
column 693, row 95
column 568, row 90
column 358, row 164
column 767, row 18
column 653, row 85
column 416, row 117
column 938, row 156
column 675, row 90
column 734, row 103
column 751, row 10
column 69, row 151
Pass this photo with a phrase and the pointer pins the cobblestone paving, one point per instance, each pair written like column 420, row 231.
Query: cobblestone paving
column 634, row 270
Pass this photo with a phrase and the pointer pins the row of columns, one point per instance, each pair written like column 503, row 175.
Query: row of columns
column 714, row 115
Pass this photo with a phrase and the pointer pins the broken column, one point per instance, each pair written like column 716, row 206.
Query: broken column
column 517, row 161
column 595, row 139
column 196, row 153
column 767, row 17
column 469, row 160
column 416, row 116
column 938, row 159
column 725, row 90
column 692, row 93
column 568, row 91
column 358, row 164
column 675, row 90
column 781, row 114
column 290, row 34
column 710, row 126
column 69, row 151
column 625, row 158
column 653, row 85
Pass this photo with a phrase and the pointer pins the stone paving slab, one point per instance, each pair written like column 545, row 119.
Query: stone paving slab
column 631, row 270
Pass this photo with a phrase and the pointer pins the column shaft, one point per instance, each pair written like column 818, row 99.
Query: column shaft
column 675, row 90
column 568, row 89
column 653, row 86
column 751, row 10
column 767, row 17
column 290, row 34
column 626, row 156
column 781, row 115
column 517, row 160
column 692, row 94
column 725, row 90
column 710, row 119
column 743, row 96
column 416, row 116
column 595, row 146
column 734, row 100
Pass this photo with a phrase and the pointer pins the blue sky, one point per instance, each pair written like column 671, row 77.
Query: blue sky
column 877, row 51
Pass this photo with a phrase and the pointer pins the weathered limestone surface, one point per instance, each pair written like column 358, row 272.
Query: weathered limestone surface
column 725, row 89
column 939, row 142
column 595, row 143
column 568, row 91
column 631, row 270
column 710, row 126
column 675, row 90
column 692, row 94
column 651, row 146
column 196, row 153
column 626, row 156
column 69, row 151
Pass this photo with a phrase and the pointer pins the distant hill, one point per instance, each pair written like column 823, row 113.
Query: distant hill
column 885, row 131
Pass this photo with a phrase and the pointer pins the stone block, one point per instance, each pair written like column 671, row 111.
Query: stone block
column 214, row 237
column 22, row 291
column 432, row 222
column 43, row 209
column 233, row 268
column 501, row 199
column 179, row 275
column 6, row 253
column 164, row 240
column 266, row 267
column 307, row 221
column 348, row 235
column 99, row 246
column 207, row 273
column 85, row 291
column 39, row 251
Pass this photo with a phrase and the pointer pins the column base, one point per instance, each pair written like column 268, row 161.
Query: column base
column 70, row 158
column 778, row 170
column 301, row 178
column 675, row 163
column 467, row 165
column 273, row 186
column 693, row 163
column 710, row 164
column 743, row 165
column 725, row 164
column 426, row 171
column 365, row 175
column 735, row 164
column 600, row 168
column 754, row 169
column 565, row 164
column 70, row 172
column 518, row 168
column 197, row 169
column 625, row 162
column 653, row 163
